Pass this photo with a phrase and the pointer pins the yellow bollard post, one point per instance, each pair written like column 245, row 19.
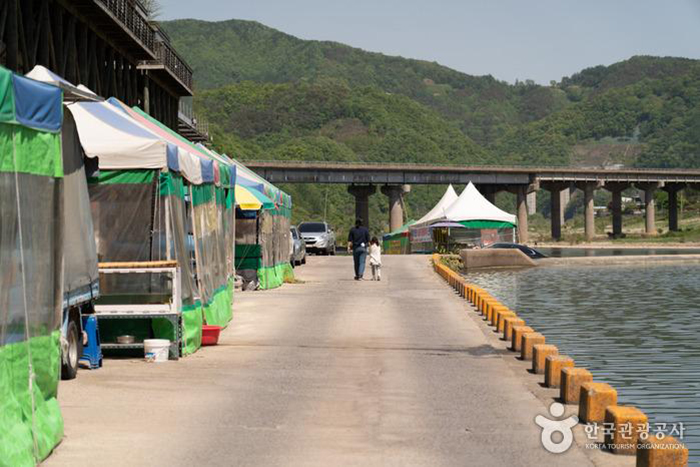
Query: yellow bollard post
column 487, row 307
column 508, row 324
column 553, row 365
column 571, row 380
column 500, row 324
column 517, row 335
column 540, row 352
column 664, row 452
column 529, row 340
column 593, row 400
column 498, row 309
column 627, row 424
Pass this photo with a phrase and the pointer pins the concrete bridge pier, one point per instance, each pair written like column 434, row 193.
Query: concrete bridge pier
column 532, row 203
column 395, row 194
column 521, row 203
column 522, row 193
column 362, row 194
column 649, row 205
column 589, row 210
column 616, row 190
column 557, row 215
column 588, row 189
column 672, row 189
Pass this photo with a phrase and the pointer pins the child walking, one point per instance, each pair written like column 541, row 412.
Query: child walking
column 375, row 259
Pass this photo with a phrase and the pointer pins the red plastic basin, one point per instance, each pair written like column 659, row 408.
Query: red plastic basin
column 210, row 334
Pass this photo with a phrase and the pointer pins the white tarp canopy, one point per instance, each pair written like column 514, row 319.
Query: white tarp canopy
column 117, row 140
column 438, row 212
column 70, row 92
column 472, row 206
column 121, row 143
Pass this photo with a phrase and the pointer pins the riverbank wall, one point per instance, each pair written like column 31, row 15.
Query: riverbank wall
column 622, row 430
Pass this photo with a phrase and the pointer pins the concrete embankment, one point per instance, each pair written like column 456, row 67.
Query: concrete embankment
column 495, row 258
column 618, row 429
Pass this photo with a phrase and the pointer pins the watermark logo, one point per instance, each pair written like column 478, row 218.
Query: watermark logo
column 550, row 427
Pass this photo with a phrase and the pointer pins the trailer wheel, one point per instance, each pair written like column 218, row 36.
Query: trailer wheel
column 69, row 367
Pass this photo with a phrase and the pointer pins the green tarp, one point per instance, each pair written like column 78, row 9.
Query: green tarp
column 274, row 276
column 487, row 225
column 30, row 420
column 30, row 166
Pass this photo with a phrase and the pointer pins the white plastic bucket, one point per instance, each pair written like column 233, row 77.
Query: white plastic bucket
column 156, row 350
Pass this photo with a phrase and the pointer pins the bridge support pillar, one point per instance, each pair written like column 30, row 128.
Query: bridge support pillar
column 362, row 194
column 672, row 190
column 395, row 194
column 617, row 213
column 649, row 206
column 589, row 211
column 522, row 213
column 649, row 211
column 557, row 214
column 616, row 190
column 588, row 189
column 532, row 203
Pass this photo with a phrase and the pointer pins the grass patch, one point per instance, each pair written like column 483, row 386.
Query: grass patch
column 453, row 262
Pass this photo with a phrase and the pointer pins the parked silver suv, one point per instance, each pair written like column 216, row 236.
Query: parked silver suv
column 319, row 237
column 297, row 251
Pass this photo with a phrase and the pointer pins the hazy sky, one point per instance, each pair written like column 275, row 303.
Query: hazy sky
column 524, row 39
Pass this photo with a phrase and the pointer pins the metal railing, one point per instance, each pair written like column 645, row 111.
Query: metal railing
column 187, row 115
column 132, row 16
column 166, row 55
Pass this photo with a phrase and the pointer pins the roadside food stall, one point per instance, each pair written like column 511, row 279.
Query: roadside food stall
column 398, row 242
column 80, row 273
column 212, row 227
column 31, row 251
column 262, row 236
column 145, row 194
column 420, row 234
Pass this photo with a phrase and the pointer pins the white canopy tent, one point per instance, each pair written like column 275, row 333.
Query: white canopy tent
column 461, row 221
column 438, row 211
column 472, row 206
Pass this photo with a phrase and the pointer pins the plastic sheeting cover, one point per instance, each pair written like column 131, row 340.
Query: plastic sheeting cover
column 30, row 282
column 80, row 259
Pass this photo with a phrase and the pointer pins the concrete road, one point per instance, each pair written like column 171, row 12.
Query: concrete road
column 324, row 373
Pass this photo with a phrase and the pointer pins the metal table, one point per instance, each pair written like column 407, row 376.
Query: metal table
column 170, row 311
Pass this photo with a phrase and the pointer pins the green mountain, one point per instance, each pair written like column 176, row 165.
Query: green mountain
column 270, row 95
column 234, row 51
column 329, row 121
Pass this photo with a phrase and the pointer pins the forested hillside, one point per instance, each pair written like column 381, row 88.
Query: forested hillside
column 270, row 95
column 235, row 51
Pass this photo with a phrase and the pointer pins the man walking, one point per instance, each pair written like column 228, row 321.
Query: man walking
column 358, row 240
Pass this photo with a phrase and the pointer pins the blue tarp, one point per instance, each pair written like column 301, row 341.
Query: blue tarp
column 37, row 105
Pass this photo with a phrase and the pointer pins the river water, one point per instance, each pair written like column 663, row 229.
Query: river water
column 636, row 328
column 569, row 252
